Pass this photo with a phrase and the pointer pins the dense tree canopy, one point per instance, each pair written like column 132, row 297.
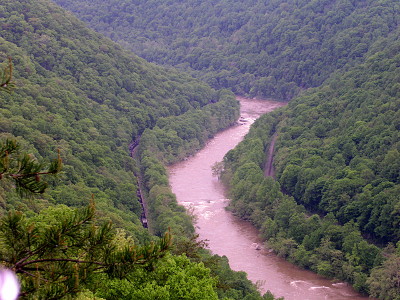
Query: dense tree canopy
column 82, row 94
column 334, row 207
column 336, row 198
column 261, row 48
column 79, row 94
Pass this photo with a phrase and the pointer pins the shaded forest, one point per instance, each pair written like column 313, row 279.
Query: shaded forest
column 334, row 208
column 259, row 48
column 80, row 98
column 72, row 95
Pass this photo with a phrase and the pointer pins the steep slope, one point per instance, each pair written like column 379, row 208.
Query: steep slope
column 337, row 155
column 261, row 48
column 355, row 139
column 78, row 92
column 81, row 93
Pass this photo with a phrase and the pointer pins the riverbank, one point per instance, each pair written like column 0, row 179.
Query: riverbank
column 195, row 187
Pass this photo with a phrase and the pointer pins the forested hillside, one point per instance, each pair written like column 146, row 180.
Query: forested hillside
column 261, row 48
column 78, row 95
column 82, row 94
column 334, row 208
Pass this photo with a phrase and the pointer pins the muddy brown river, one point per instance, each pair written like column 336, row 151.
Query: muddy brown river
column 194, row 185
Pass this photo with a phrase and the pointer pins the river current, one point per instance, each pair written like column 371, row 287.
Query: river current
column 196, row 188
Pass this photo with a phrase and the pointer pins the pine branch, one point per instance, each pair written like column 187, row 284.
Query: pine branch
column 18, row 268
column 32, row 275
column 24, row 170
column 6, row 83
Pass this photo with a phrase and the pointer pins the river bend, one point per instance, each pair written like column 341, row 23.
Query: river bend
column 192, row 182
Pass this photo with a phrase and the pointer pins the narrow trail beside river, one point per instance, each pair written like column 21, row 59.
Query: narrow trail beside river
column 194, row 185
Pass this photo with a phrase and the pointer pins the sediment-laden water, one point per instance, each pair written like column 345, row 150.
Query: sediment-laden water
column 194, row 185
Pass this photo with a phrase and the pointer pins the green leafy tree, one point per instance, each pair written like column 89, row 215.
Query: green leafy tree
column 173, row 277
column 384, row 281
column 56, row 257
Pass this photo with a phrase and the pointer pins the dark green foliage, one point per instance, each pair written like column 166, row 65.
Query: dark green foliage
column 60, row 251
column 384, row 283
column 337, row 152
column 174, row 277
column 6, row 81
column 171, row 139
column 352, row 170
column 63, row 256
column 266, row 48
column 80, row 93
column 336, row 155
column 24, row 170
